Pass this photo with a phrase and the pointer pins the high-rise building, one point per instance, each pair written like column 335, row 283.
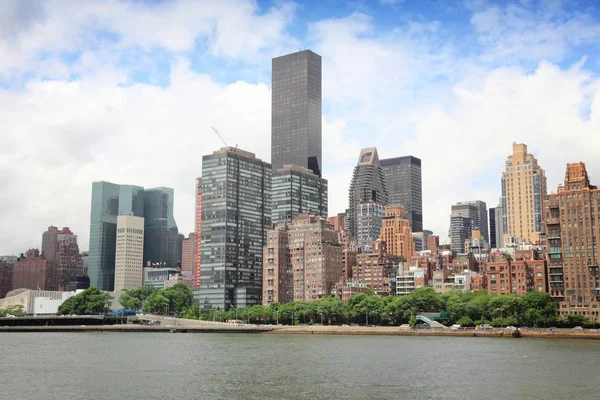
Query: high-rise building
column 572, row 226
column 338, row 222
column 129, row 259
column 523, row 190
column 31, row 271
column 49, row 243
column 161, row 237
column 68, row 259
column 395, row 232
column 109, row 200
column 497, row 231
column 367, row 186
column 368, row 217
column 420, row 239
column 296, row 190
column 7, row 269
column 404, row 187
column 198, row 225
column 188, row 251
column 296, row 111
column 291, row 273
column 460, row 230
column 477, row 211
column 236, row 214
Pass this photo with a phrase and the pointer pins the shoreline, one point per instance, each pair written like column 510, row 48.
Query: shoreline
column 310, row 330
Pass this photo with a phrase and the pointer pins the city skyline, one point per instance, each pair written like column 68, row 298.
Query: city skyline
column 89, row 106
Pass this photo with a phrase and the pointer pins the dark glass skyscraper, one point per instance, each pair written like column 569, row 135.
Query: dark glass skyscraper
column 296, row 190
column 161, row 236
column 296, row 111
column 403, row 181
column 108, row 201
column 236, row 214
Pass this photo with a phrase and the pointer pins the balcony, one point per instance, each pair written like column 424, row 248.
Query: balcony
column 552, row 221
column 553, row 204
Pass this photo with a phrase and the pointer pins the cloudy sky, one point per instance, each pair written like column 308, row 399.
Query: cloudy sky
column 128, row 91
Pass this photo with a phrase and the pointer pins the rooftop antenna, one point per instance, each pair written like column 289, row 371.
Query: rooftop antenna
column 221, row 137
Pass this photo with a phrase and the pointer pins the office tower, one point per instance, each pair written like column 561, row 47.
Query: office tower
column 292, row 274
column 198, row 242
column 368, row 221
column 236, row 214
column 296, row 190
column 162, row 244
column 31, row 271
column 296, row 111
column 109, row 200
column 477, row 211
column 496, row 227
column 420, row 239
column 572, row 223
column 460, row 230
column 367, row 186
column 49, row 243
column 523, row 190
column 188, row 251
column 68, row 258
column 395, row 232
column 129, row 259
column 404, row 186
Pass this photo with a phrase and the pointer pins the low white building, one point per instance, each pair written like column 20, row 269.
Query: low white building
column 46, row 302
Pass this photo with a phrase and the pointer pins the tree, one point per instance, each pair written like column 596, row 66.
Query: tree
column 465, row 321
column 133, row 299
column 179, row 297
column 91, row 301
column 156, row 303
column 15, row 310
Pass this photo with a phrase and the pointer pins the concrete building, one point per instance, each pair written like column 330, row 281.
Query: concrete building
column 420, row 239
column 34, row 272
column 476, row 211
column 129, row 259
column 85, row 259
column 367, row 186
column 296, row 111
column 447, row 280
column 47, row 302
column 49, row 243
column 69, row 262
column 338, row 222
column 396, row 233
column 572, row 225
column 375, row 268
column 368, row 218
column 302, row 261
column 109, row 200
column 198, row 235
column 523, row 191
column 460, row 230
column 188, row 251
column 236, row 215
column 296, row 190
column 497, row 231
column 157, row 276
column 404, row 186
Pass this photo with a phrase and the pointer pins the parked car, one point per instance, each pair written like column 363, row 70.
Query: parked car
column 485, row 326
column 405, row 326
column 455, row 327
column 511, row 328
column 577, row 327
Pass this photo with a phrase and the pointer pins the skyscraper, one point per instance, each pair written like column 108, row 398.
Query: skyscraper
column 68, row 259
column 129, row 259
column 572, row 222
column 403, row 182
column 109, row 200
column 523, row 190
column 198, row 235
column 296, row 190
column 236, row 214
column 367, row 185
column 492, row 220
column 188, row 250
column 162, row 245
column 296, row 111
column 369, row 216
column 395, row 232
column 497, row 230
column 49, row 243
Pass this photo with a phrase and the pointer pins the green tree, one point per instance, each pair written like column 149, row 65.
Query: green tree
column 192, row 312
column 179, row 297
column 15, row 310
column 465, row 321
column 156, row 303
column 91, row 301
column 133, row 299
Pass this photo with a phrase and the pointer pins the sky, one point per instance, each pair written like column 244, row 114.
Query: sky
column 127, row 92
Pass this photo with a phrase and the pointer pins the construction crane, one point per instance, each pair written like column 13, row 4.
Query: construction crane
column 219, row 135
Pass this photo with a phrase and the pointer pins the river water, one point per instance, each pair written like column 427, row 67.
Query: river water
column 148, row 366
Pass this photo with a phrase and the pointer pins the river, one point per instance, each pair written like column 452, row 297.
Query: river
column 53, row 366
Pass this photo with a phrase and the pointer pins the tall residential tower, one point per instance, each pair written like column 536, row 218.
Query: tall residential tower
column 403, row 181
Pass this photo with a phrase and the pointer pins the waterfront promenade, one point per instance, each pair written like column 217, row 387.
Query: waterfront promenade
column 181, row 325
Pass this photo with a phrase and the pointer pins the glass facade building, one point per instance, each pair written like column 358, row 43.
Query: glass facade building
column 296, row 111
column 109, row 200
column 236, row 214
column 296, row 190
column 403, row 181
column 369, row 217
column 161, row 238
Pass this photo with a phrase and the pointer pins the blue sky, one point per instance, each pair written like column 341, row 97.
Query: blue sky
column 127, row 92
